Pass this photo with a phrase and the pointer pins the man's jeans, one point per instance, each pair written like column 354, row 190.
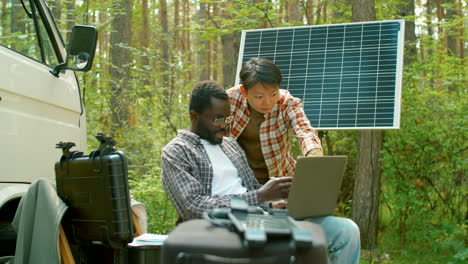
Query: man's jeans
column 344, row 243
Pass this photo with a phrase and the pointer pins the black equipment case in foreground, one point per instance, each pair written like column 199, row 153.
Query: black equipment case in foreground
column 144, row 254
column 199, row 241
column 95, row 187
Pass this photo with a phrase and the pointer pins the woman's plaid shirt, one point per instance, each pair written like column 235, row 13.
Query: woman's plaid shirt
column 288, row 114
column 187, row 175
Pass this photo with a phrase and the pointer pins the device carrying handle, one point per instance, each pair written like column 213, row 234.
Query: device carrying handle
column 66, row 153
column 106, row 146
column 185, row 258
column 218, row 217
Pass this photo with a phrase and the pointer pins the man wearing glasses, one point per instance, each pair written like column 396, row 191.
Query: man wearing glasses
column 202, row 169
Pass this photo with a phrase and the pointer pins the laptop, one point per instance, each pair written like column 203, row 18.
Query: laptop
column 313, row 193
column 315, row 186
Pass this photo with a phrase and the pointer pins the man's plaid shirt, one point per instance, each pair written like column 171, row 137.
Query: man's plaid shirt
column 288, row 114
column 187, row 175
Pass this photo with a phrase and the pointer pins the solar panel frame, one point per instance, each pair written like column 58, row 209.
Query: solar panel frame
column 291, row 74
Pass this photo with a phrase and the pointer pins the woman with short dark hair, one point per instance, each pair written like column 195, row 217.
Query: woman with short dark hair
column 264, row 115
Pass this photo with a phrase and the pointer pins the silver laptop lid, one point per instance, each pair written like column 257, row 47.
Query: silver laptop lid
column 315, row 186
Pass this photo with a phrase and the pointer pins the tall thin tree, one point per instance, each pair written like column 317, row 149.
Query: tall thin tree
column 120, row 58
column 406, row 9
column 367, row 185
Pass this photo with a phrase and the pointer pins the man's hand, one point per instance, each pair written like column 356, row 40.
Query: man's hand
column 281, row 204
column 275, row 189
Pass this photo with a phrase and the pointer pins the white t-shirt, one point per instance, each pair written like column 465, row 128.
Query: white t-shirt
column 226, row 178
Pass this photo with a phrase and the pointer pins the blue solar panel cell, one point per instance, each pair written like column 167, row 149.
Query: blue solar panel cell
column 348, row 75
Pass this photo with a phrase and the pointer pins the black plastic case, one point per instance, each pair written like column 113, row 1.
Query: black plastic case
column 144, row 254
column 95, row 187
column 198, row 241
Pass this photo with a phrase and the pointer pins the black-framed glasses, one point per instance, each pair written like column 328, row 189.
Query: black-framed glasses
column 223, row 120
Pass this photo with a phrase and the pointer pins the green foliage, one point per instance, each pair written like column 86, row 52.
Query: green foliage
column 149, row 190
column 423, row 193
column 424, row 163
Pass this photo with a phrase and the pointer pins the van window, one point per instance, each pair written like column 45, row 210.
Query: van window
column 19, row 32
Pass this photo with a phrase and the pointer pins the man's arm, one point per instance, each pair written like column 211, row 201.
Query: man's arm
column 303, row 130
column 182, row 179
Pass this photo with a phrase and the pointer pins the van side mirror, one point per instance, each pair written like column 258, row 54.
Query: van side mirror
column 80, row 50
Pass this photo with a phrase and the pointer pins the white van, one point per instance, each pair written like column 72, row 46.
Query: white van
column 40, row 102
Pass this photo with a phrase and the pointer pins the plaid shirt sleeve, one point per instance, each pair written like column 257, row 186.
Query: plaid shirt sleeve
column 300, row 124
column 187, row 177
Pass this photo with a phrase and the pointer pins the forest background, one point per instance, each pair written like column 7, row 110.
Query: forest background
column 151, row 52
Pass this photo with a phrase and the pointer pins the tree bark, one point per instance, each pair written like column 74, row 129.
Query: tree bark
column 367, row 186
column 215, row 47
column 230, row 46
column 177, row 39
column 145, row 33
column 404, row 10
column 363, row 10
column 461, row 32
column 120, row 57
column 57, row 11
column 309, row 11
column 70, row 17
column 294, row 11
column 3, row 18
column 451, row 31
column 440, row 18
column 324, row 12
column 165, row 69
column 430, row 30
column 202, row 55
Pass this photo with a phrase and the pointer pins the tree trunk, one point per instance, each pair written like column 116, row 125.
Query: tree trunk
column 202, row 55
column 176, row 38
column 440, row 18
column 70, row 18
column 145, row 33
column 309, row 11
column 120, row 57
column 57, row 11
column 188, row 38
column 324, row 12
column 165, row 69
column 451, row 31
column 367, row 185
column 294, row 11
column 407, row 10
column 215, row 48
column 363, row 10
column 319, row 13
column 461, row 32
column 145, row 61
column 430, row 31
column 230, row 46
column 280, row 12
column 3, row 19
column 16, row 20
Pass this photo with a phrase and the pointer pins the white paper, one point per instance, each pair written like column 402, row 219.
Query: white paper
column 148, row 239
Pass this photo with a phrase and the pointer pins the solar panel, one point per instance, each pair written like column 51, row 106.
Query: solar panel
column 347, row 75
